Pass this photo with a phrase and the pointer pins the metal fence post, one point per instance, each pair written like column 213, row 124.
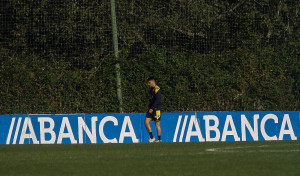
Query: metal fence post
column 116, row 54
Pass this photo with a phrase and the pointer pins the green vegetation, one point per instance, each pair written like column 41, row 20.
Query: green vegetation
column 56, row 56
column 210, row 159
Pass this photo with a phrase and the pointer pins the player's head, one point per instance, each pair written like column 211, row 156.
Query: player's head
column 151, row 82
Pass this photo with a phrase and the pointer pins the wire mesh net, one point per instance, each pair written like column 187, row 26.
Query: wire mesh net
column 57, row 55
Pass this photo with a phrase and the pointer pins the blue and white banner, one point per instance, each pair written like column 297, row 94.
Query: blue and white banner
column 129, row 128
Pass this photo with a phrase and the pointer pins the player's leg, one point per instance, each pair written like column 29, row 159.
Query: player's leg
column 157, row 124
column 148, row 127
column 158, row 128
column 147, row 124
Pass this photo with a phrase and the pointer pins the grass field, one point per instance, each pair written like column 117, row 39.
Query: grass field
column 209, row 159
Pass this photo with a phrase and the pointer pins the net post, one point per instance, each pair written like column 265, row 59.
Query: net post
column 116, row 54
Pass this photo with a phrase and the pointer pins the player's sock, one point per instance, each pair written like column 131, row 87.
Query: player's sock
column 151, row 135
column 158, row 137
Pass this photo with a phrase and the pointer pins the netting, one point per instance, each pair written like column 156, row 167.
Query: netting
column 56, row 56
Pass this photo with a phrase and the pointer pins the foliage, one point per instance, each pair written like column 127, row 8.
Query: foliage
column 56, row 56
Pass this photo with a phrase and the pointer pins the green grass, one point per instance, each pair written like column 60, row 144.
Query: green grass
column 212, row 158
